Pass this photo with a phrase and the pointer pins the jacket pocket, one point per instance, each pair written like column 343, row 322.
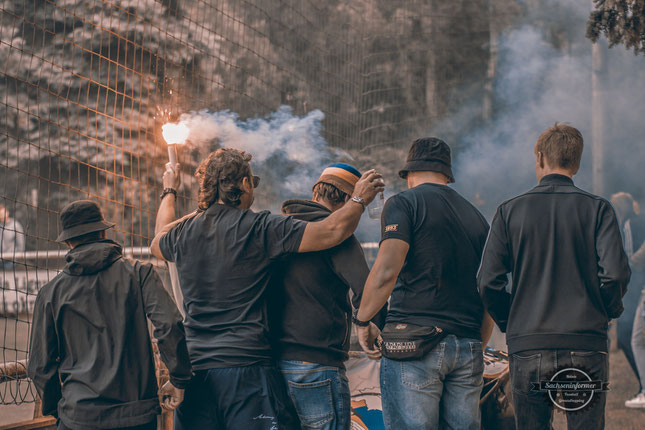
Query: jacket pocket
column 313, row 402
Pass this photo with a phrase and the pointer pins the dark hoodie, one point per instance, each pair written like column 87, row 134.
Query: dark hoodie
column 90, row 357
column 309, row 307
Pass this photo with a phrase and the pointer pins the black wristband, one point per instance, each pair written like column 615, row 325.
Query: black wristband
column 359, row 322
column 167, row 191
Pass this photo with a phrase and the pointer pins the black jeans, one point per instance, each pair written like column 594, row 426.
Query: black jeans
column 534, row 408
column 246, row 398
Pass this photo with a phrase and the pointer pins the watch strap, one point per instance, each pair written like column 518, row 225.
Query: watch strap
column 359, row 322
column 167, row 191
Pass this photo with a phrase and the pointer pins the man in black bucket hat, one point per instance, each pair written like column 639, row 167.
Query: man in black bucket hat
column 90, row 356
column 429, row 154
column 432, row 241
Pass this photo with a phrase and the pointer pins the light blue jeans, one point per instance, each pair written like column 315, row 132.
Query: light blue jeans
column 440, row 391
column 319, row 393
column 638, row 340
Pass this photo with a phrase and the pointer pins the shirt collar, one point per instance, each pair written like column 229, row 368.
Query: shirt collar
column 556, row 179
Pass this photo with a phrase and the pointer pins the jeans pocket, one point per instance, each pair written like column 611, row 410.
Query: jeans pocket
column 313, row 402
column 425, row 372
column 524, row 371
column 596, row 363
column 477, row 353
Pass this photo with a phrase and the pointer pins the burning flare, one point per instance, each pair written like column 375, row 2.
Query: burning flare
column 175, row 134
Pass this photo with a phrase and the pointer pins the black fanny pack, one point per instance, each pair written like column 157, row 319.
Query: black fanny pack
column 403, row 341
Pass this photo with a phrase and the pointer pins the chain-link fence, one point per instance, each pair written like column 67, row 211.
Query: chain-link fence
column 85, row 86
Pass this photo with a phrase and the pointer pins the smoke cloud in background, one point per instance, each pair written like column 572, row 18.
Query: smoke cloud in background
column 289, row 151
column 540, row 80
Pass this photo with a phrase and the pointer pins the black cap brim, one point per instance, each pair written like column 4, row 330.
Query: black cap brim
column 427, row 166
column 82, row 229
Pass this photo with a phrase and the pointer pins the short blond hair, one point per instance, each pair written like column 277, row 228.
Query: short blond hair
column 561, row 145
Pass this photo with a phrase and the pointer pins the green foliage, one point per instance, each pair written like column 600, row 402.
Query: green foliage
column 621, row 21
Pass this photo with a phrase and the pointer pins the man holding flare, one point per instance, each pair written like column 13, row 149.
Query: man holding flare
column 224, row 254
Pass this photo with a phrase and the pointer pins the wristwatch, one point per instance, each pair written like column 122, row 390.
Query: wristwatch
column 167, row 191
column 359, row 322
column 359, row 200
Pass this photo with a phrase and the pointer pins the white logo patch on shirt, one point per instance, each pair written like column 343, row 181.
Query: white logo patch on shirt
column 391, row 227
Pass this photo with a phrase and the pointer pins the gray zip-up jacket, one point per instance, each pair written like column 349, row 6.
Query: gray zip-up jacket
column 90, row 357
column 563, row 248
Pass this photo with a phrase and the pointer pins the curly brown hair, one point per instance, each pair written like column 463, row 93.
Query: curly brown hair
column 220, row 177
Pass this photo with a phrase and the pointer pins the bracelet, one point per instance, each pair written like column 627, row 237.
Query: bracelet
column 359, row 322
column 167, row 191
column 359, row 200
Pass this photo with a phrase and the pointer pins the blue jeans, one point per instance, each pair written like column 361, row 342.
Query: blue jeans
column 638, row 340
column 439, row 391
column 534, row 409
column 319, row 393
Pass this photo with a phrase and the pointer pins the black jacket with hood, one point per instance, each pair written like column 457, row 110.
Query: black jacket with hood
column 309, row 306
column 90, row 356
column 570, row 272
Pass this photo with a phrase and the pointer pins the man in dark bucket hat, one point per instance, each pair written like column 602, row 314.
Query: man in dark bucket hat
column 432, row 242
column 81, row 217
column 428, row 154
column 90, row 331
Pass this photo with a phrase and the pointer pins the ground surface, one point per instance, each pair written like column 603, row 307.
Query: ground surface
column 623, row 386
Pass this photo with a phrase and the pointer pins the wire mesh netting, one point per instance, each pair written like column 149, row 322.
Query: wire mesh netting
column 85, row 86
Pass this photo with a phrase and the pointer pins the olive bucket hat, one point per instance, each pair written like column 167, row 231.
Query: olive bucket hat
column 81, row 217
column 428, row 154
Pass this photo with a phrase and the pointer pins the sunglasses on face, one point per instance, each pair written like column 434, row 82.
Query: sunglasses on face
column 256, row 181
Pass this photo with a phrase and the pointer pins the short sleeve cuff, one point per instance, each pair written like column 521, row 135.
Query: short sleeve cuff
column 294, row 245
column 395, row 235
column 164, row 248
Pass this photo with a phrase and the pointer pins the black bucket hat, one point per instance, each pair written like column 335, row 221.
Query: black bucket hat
column 428, row 154
column 81, row 217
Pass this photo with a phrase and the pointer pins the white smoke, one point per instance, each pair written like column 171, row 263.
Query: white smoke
column 540, row 81
column 288, row 149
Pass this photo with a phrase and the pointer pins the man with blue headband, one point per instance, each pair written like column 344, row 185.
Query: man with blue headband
column 310, row 310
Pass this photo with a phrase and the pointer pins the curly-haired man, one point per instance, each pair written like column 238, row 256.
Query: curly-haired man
column 225, row 253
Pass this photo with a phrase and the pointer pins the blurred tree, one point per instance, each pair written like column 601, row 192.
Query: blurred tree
column 622, row 21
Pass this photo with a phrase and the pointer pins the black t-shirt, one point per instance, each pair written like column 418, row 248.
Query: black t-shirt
column 224, row 257
column 437, row 284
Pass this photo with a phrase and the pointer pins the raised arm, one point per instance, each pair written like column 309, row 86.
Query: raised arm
column 166, row 213
column 341, row 224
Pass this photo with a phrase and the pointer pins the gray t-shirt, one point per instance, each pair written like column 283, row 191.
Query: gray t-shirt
column 224, row 258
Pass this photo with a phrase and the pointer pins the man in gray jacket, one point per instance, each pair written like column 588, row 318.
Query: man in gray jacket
column 563, row 248
column 91, row 358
